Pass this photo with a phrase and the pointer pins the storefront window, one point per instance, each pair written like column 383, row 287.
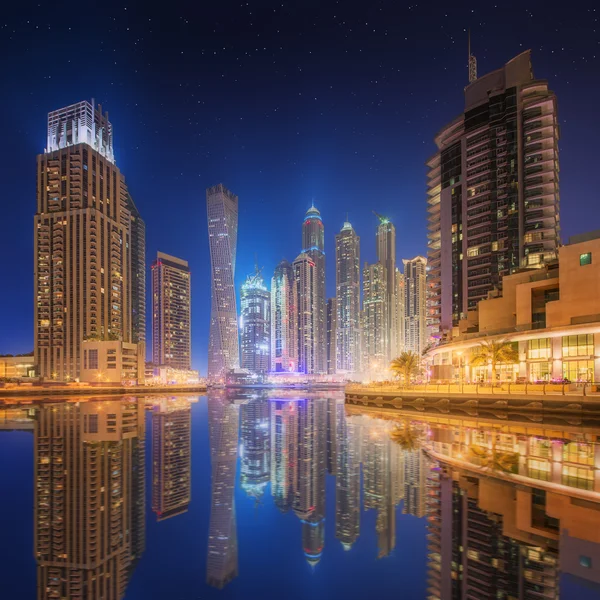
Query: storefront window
column 539, row 348
column 539, row 448
column 540, row 371
column 539, row 469
column 578, row 345
column 578, row 370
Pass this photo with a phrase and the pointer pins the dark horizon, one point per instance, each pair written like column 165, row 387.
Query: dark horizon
column 282, row 104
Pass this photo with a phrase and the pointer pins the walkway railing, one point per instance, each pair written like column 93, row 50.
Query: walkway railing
column 528, row 389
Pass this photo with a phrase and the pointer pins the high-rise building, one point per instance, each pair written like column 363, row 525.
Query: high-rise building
column 493, row 199
column 331, row 336
column 284, row 319
column 400, row 314
column 313, row 245
column 415, row 308
column 255, row 301
column 171, row 312
column 305, row 280
column 376, row 331
column 85, row 456
column 223, row 344
column 347, row 289
column 171, row 457
column 89, row 244
column 222, row 555
column 386, row 256
column 416, row 468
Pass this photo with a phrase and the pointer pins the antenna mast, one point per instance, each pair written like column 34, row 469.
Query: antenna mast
column 472, row 62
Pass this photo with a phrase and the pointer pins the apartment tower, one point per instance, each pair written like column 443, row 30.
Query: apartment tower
column 415, row 288
column 171, row 312
column 376, row 330
column 255, row 301
column 284, row 319
column 223, row 345
column 493, row 198
column 89, row 244
column 313, row 245
column 347, row 288
column 305, row 279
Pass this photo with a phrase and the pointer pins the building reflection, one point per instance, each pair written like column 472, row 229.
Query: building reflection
column 255, row 447
column 171, row 456
column 89, row 497
column 223, row 423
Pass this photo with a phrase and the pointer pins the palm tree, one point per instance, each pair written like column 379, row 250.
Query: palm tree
column 407, row 437
column 405, row 365
column 501, row 352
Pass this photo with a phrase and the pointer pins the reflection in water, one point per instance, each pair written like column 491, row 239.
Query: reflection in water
column 171, row 457
column 89, row 505
column 509, row 506
column 223, row 423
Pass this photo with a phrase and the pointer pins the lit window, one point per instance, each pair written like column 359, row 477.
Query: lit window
column 585, row 259
column 473, row 251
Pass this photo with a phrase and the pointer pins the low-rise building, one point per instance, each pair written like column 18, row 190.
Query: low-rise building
column 551, row 316
column 12, row 367
column 166, row 375
column 111, row 361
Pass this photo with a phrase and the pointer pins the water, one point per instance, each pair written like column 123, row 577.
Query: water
column 259, row 495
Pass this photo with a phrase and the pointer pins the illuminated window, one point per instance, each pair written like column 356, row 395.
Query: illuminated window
column 494, row 246
column 585, row 259
column 93, row 359
column 539, row 348
column 473, row 251
column 579, row 453
column 578, row 370
column 540, row 371
column 578, row 345
column 578, row 477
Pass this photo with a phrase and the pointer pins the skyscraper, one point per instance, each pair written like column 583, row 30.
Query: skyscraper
column 222, row 556
column 331, row 336
column 376, row 331
column 284, row 452
column 305, row 280
column 255, row 446
column 313, row 245
column 284, row 319
column 492, row 199
column 415, row 289
column 255, row 302
column 347, row 288
column 386, row 256
column 171, row 312
column 171, row 457
column 223, row 345
column 89, row 244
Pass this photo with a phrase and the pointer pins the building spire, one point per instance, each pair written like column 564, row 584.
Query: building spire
column 472, row 61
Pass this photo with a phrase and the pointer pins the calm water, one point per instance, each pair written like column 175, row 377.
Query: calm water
column 264, row 496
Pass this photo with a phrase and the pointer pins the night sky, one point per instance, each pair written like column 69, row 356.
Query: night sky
column 283, row 103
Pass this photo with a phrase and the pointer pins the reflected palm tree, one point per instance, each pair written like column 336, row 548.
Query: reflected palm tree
column 409, row 438
column 494, row 460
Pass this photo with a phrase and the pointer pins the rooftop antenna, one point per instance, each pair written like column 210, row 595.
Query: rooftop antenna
column 472, row 62
column 381, row 218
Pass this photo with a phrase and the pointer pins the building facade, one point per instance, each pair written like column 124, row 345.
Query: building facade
column 305, row 279
column 492, row 200
column 171, row 312
column 89, row 244
column 255, row 301
column 415, row 289
column 347, row 288
column 284, row 319
column 376, row 330
column 223, row 344
column 331, row 336
column 313, row 245
column 551, row 316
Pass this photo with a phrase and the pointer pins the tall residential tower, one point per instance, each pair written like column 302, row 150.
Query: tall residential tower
column 493, row 199
column 223, row 345
column 89, row 244
column 284, row 319
column 313, row 245
column 347, row 287
column 171, row 312
column 415, row 288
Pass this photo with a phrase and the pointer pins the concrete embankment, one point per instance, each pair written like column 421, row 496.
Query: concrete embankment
column 142, row 390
